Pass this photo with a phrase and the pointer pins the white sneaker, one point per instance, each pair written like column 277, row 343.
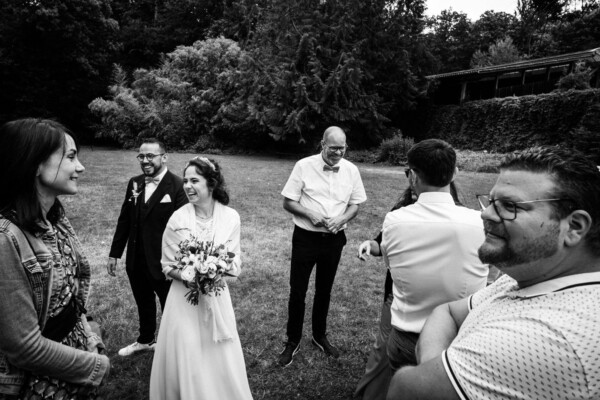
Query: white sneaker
column 135, row 347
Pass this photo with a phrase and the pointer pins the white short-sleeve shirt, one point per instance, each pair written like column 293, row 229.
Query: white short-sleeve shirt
column 541, row 342
column 430, row 248
column 326, row 192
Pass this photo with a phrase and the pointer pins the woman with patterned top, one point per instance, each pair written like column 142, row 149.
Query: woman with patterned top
column 47, row 348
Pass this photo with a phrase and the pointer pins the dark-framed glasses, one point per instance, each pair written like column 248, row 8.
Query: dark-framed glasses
column 506, row 209
column 407, row 172
column 148, row 156
column 336, row 149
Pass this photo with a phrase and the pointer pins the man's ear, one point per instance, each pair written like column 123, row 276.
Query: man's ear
column 455, row 174
column 579, row 223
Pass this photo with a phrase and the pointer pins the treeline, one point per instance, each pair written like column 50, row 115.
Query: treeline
column 211, row 74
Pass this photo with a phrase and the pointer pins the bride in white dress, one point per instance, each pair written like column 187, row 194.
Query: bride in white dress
column 198, row 355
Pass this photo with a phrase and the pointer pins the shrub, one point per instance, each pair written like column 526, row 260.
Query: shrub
column 578, row 79
column 394, row 150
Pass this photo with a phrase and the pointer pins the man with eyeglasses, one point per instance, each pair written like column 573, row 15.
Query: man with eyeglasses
column 322, row 193
column 533, row 334
column 150, row 199
column 430, row 248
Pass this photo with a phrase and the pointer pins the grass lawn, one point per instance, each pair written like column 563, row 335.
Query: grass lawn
column 260, row 295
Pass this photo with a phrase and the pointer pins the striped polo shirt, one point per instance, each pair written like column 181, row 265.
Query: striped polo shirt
column 539, row 342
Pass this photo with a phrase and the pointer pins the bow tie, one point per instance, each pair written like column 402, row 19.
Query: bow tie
column 328, row 167
column 150, row 180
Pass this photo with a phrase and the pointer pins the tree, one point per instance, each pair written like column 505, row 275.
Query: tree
column 535, row 17
column 492, row 27
column 579, row 31
column 192, row 100
column 150, row 28
column 451, row 40
column 501, row 52
column 56, row 57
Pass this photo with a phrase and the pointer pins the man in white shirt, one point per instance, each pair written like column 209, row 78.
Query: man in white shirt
column 533, row 334
column 322, row 193
column 430, row 248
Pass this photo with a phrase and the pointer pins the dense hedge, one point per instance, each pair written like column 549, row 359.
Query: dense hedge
column 513, row 123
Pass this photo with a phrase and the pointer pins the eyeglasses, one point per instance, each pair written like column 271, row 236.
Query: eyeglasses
column 505, row 209
column 148, row 156
column 407, row 172
column 336, row 149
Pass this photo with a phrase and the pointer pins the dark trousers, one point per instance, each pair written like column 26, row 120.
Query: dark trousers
column 401, row 348
column 310, row 248
column 144, row 288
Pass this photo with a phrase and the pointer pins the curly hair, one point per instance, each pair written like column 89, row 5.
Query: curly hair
column 576, row 177
column 211, row 171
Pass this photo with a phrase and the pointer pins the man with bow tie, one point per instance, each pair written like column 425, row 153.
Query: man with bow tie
column 150, row 200
column 322, row 193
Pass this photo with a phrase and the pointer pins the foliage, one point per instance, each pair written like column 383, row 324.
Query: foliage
column 193, row 95
column 450, row 39
column 535, row 19
column 501, row 52
column 395, row 149
column 586, row 137
column 578, row 31
column 323, row 63
column 578, row 79
column 492, row 27
column 149, row 28
column 55, row 56
column 512, row 123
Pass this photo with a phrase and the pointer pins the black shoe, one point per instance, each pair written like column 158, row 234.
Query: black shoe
column 287, row 355
column 323, row 344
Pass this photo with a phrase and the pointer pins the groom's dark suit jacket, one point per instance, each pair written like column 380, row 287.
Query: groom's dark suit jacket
column 146, row 222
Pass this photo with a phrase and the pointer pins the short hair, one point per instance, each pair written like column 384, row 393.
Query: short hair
column 211, row 171
column 24, row 145
column 434, row 160
column 160, row 144
column 576, row 177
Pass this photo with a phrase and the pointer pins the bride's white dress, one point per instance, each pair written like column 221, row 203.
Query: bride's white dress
column 198, row 355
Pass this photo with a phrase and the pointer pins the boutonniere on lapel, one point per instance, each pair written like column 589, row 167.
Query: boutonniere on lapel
column 134, row 193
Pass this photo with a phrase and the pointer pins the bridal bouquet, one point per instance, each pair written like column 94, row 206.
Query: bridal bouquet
column 204, row 264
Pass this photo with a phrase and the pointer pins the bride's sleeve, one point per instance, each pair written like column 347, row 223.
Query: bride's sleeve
column 234, row 245
column 170, row 245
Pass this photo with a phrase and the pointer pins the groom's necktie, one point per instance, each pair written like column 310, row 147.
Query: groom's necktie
column 327, row 167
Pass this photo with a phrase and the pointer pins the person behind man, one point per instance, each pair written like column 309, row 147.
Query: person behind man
column 322, row 193
column 533, row 334
column 430, row 248
column 150, row 199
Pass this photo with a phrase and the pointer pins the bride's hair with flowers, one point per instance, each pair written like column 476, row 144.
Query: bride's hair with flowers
column 211, row 171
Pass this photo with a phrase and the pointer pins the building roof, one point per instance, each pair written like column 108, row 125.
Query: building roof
column 593, row 54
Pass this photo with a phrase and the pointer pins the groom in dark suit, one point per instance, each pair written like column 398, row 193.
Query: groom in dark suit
column 150, row 200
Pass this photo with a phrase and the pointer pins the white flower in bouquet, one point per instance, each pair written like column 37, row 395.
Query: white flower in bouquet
column 212, row 269
column 188, row 273
column 202, row 267
column 223, row 265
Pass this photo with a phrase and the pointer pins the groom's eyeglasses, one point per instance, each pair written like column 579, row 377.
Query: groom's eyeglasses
column 148, row 156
